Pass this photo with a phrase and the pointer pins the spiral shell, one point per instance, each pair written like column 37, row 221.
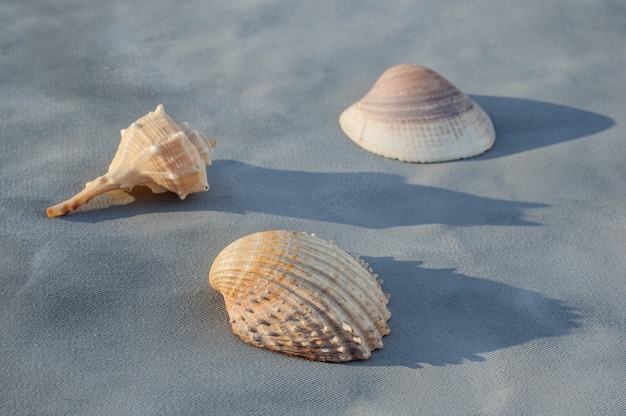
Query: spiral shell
column 155, row 152
column 414, row 114
column 297, row 294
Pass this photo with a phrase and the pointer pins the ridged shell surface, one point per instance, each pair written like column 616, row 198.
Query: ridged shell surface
column 297, row 294
column 156, row 152
column 414, row 114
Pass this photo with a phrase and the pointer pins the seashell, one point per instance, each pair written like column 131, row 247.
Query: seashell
column 297, row 294
column 415, row 115
column 155, row 152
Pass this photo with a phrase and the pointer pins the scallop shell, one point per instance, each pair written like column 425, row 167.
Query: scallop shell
column 297, row 294
column 415, row 115
column 155, row 152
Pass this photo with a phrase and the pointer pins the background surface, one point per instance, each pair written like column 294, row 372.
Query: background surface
column 506, row 270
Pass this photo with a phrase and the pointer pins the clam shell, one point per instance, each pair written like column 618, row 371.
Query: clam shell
column 297, row 294
column 414, row 114
column 155, row 152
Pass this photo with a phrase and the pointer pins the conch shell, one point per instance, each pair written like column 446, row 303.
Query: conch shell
column 414, row 114
column 297, row 294
column 155, row 152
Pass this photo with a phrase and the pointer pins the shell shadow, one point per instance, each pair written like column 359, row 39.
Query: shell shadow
column 441, row 317
column 365, row 199
column 522, row 125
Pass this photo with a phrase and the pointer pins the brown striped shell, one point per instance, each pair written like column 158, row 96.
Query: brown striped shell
column 414, row 114
column 297, row 294
column 155, row 152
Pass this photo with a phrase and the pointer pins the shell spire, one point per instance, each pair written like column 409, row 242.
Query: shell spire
column 299, row 295
column 413, row 114
column 155, row 152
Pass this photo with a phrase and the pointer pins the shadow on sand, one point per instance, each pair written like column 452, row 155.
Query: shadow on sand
column 441, row 317
column 522, row 125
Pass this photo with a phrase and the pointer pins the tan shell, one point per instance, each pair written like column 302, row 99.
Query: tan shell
column 155, row 152
column 297, row 294
column 415, row 115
